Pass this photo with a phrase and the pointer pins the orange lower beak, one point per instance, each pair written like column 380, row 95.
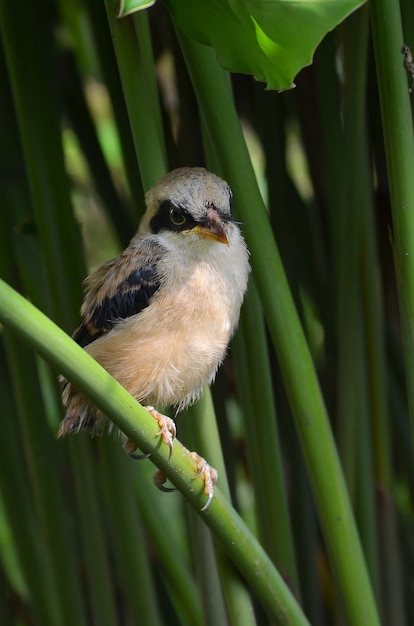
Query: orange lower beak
column 207, row 232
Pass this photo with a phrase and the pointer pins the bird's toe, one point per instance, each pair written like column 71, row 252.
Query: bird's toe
column 160, row 479
column 167, row 427
column 130, row 447
column 209, row 474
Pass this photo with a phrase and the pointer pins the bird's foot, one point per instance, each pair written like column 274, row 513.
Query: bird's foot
column 167, row 432
column 209, row 474
column 205, row 470
column 167, row 427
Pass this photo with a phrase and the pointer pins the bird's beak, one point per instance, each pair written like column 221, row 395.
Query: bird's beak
column 212, row 229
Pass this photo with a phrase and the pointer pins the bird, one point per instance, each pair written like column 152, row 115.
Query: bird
column 160, row 316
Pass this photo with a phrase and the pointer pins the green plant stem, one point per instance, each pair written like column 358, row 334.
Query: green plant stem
column 114, row 401
column 207, row 441
column 398, row 131
column 297, row 368
column 133, row 63
column 262, row 438
column 349, row 392
column 399, row 147
column 253, row 368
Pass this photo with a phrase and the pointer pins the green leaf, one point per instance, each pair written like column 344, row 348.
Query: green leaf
column 126, row 7
column 271, row 39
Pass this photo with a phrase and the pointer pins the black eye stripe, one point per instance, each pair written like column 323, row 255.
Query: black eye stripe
column 168, row 218
column 163, row 219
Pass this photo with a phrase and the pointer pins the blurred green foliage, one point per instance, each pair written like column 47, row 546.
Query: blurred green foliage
column 317, row 386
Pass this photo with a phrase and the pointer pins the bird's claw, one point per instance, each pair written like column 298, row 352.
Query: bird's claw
column 159, row 479
column 167, row 433
column 209, row 474
column 130, row 447
column 205, row 470
column 167, row 427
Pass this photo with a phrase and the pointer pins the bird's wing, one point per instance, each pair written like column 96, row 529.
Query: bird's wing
column 118, row 289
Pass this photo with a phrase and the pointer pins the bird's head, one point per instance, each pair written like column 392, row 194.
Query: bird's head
column 190, row 201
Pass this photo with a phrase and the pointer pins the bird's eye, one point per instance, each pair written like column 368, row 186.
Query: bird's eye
column 177, row 217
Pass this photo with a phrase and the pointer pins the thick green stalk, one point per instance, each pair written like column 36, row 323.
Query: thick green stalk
column 133, row 61
column 214, row 97
column 253, row 369
column 349, row 242
column 374, row 325
column 147, row 76
column 114, row 401
column 398, row 130
column 397, row 123
column 332, row 135
column 207, row 443
column 262, row 438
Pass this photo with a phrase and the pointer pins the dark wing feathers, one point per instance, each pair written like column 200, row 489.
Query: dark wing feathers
column 110, row 300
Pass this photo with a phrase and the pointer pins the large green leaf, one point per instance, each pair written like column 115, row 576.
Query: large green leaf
column 271, row 39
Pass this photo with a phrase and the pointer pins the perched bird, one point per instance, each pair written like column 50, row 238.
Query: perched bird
column 160, row 316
